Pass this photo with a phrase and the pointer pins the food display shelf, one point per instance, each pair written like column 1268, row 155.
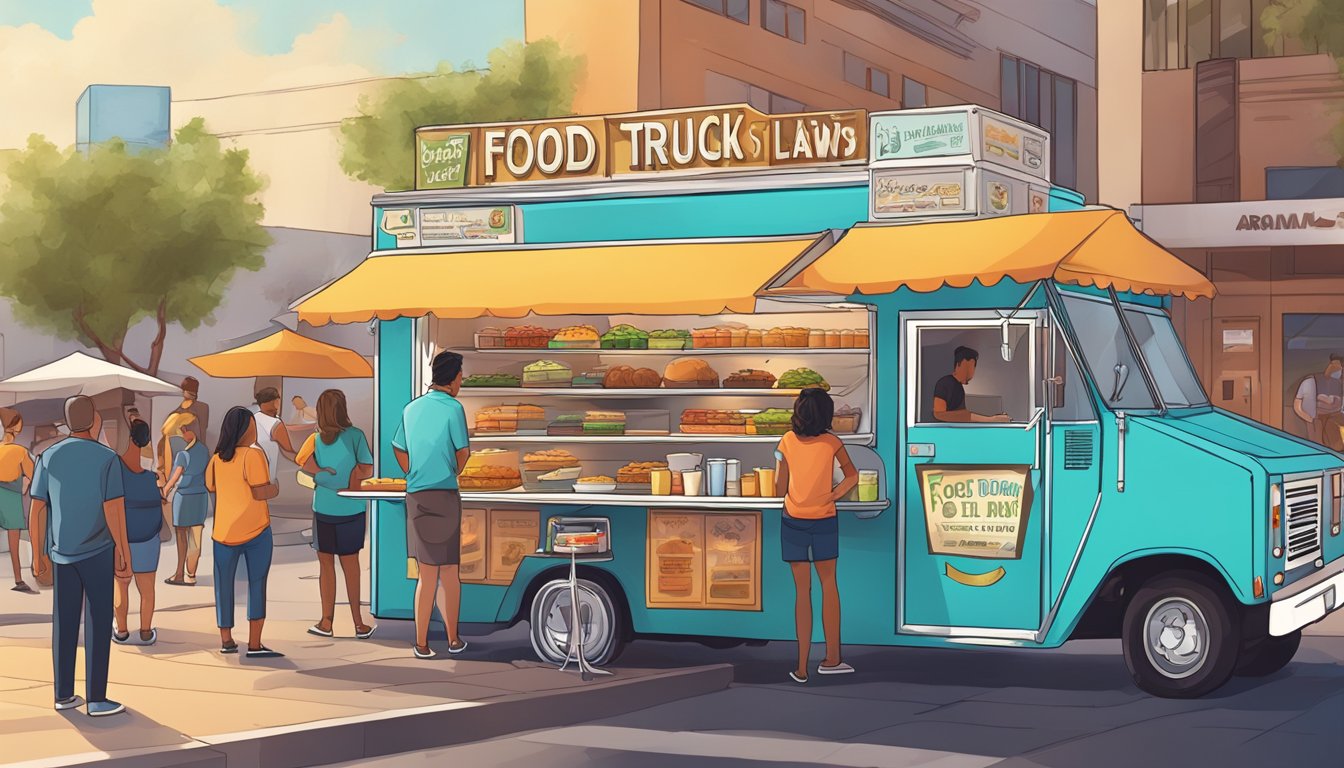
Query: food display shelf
column 863, row 438
column 623, row 500
column 546, row 352
column 592, row 393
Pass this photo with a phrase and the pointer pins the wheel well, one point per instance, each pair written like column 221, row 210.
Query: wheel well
column 1105, row 612
column 605, row 578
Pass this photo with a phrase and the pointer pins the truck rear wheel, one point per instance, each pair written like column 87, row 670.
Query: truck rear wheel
column 1267, row 656
column 1179, row 637
column 602, row 620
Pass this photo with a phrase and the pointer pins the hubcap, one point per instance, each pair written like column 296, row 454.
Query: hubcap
column 1176, row 637
column 595, row 624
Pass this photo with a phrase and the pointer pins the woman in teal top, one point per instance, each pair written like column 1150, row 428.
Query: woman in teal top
column 338, row 458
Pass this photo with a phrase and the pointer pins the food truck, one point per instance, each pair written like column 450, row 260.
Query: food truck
column 639, row 299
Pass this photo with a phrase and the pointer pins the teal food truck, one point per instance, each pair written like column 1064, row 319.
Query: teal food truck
column 639, row 298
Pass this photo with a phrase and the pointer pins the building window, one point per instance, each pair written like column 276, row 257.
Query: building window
column 1043, row 98
column 783, row 19
column 722, row 89
column 737, row 10
column 1178, row 34
column 866, row 76
column 914, row 94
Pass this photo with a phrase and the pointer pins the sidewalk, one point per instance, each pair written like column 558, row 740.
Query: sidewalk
column 327, row 701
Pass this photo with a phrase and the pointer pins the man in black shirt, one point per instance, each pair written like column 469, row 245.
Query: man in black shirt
column 949, row 394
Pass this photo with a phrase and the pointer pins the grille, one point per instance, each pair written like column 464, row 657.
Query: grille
column 1077, row 449
column 1302, row 520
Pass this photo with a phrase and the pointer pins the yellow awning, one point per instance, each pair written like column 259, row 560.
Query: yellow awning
column 1091, row 248
column 653, row 278
column 286, row 354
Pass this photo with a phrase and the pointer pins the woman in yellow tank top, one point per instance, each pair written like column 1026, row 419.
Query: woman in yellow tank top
column 16, row 472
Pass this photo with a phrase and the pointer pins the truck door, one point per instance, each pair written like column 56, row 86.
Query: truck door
column 971, row 535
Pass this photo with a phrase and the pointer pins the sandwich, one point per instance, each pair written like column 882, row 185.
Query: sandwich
column 604, row 423
column 576, row 337
column 689, row 373
column 547, row 373
column 490, row 477
column 638, row 472
column 675, row 560
column 749, row 378
column 544, row 461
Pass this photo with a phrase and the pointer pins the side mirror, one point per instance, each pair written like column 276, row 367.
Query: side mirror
column 1005, row 349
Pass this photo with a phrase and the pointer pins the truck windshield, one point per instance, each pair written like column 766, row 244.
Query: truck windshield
column 1114, row 362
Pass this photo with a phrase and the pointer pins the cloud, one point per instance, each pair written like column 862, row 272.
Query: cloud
column 197, row 47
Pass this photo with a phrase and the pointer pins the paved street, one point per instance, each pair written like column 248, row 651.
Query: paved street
column 1011, row 709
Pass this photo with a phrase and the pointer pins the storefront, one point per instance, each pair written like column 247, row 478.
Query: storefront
column 640, row 298
column 1278, row 317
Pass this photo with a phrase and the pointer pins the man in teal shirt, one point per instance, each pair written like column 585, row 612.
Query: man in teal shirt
column 431, row 447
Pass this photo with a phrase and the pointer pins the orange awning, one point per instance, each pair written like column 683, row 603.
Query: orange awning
column 1092, row 248
column 651, row 278
column 286, row 354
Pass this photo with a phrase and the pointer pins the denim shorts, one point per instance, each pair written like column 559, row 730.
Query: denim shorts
column 803, row 540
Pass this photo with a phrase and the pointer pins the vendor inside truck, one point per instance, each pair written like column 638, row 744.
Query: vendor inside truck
column 949, row 394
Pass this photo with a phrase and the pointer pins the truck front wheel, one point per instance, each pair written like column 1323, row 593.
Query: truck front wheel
column 1269, row 655
column 1179, row 637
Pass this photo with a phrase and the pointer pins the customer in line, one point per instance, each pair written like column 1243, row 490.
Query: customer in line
column 171, row 442
column 191, row 504
column 241, row 481
column 431, row 447
column 338, row 458
column 272, row 434
column 809, row 532
column 16, row 474
column 78, row 482
column 143, row 521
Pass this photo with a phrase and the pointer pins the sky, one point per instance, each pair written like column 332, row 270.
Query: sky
column 51, row 49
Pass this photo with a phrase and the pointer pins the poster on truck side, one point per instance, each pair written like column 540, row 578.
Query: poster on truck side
column 899, row 193
column 976, row 511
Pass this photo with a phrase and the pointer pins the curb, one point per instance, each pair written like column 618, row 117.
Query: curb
column 408, row 730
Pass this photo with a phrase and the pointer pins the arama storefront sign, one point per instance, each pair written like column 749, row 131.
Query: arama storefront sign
column 1239, row 225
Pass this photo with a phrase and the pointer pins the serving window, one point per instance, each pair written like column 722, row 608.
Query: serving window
column 998, row 386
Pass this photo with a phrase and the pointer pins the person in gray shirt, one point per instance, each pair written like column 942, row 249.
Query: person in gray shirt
column 78, row 516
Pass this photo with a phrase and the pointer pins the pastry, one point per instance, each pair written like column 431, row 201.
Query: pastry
column 816, row 339
column 739, row 337
column 604, row 423
column 802, row 378
column 625, row 337
column 832, row 339
column 750, row 378
column 527, row 336
column 510, row 418
column 547, row 373
column 596, row 480
column 669, row 339
column 773, row 338
column 384, row 484
column 626, row 377
column 796, row 337
column 490, row 477
column 861, row 338
column 773, row 421
column 566, row 425
column 697, row 421
column 492, row 379
column 543, row 461
column 638, row 472
column 576, row 337
column 704, row 338
column 846, row 339
column 689, row 372
column 647, row 378
column 755, row 338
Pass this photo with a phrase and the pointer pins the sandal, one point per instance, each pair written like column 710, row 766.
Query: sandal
column 176, row 582
column 364, row 633
column 140, row 639
column 228, row 649
column 264, row 653
column 427, row 653
column 320, row 632
column 121, row 638
column 23, row 587
column 795, row 678
column 458, row 647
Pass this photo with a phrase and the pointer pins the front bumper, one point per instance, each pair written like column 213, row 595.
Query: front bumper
column 1308, row 605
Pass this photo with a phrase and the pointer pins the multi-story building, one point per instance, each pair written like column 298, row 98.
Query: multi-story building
column 1033, row 59
column 137, row 114
column 1217, row 134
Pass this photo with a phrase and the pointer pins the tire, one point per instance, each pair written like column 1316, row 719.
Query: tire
column 1267, row 656
column 1179, row 636
column 606, row 628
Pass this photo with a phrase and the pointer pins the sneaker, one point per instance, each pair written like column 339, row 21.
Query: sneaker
column 137, row 638
column 74, row 702
column 428, row 653
column 458, row 648
column 121, row 638
column 264, row 653
column 105, row 708
column 229, row 649
column 839, row 669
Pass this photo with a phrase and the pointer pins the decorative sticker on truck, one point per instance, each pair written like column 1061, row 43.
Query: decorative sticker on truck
column 899, row 192
column 456, row 226
column 976, row 511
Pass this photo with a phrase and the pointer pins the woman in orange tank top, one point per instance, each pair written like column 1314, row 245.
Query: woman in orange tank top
column 809, row 531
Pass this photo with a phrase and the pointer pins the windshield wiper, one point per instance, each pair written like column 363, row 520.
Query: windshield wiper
column 1133, row 340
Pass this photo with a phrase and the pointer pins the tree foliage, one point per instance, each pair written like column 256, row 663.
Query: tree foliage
column 523, row 82
column 1318, row 24
column 90, row 245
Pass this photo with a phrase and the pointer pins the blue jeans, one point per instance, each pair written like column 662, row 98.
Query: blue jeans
column 257, row 552
column 87, row 586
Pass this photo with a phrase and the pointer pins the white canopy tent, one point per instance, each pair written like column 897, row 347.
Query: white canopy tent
column 79, row 374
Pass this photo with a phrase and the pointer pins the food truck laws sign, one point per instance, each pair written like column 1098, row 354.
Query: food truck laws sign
column 976, row 511
column 600, row 147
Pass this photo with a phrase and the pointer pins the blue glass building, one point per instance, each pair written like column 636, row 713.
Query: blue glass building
column 137, row 114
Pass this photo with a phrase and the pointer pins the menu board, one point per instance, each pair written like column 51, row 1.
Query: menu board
column 898, row 193
column 457, row 226
column 513, row 536
column 976, row 511
column 676, row 559
column 472, row 565
column 704, row 560
column 902, row 136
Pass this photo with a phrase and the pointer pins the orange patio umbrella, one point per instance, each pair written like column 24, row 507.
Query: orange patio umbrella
column 285, row 354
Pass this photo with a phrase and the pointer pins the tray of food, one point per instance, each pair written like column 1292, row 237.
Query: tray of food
column 566, row 425
column 520, row 419
column 711, row 421
column 604, row 423
column 801, row 378
column 749, row 378
column 383, row 484
column 547, row 373
column 595, row 484
column 625, row 337
column 543, row 470
column 627, row 377
column 636, row 477
column 576, row 337
column 527, row 337
column 846, row 420
column 669, row 339
column 491, row 380
column 772, row 421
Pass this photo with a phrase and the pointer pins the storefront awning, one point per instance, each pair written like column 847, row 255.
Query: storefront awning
column 1091, row 248
column 653, row 278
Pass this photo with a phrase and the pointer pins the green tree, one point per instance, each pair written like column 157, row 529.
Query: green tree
column 523, row 82
column 1318, row 24
column 90, row 245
